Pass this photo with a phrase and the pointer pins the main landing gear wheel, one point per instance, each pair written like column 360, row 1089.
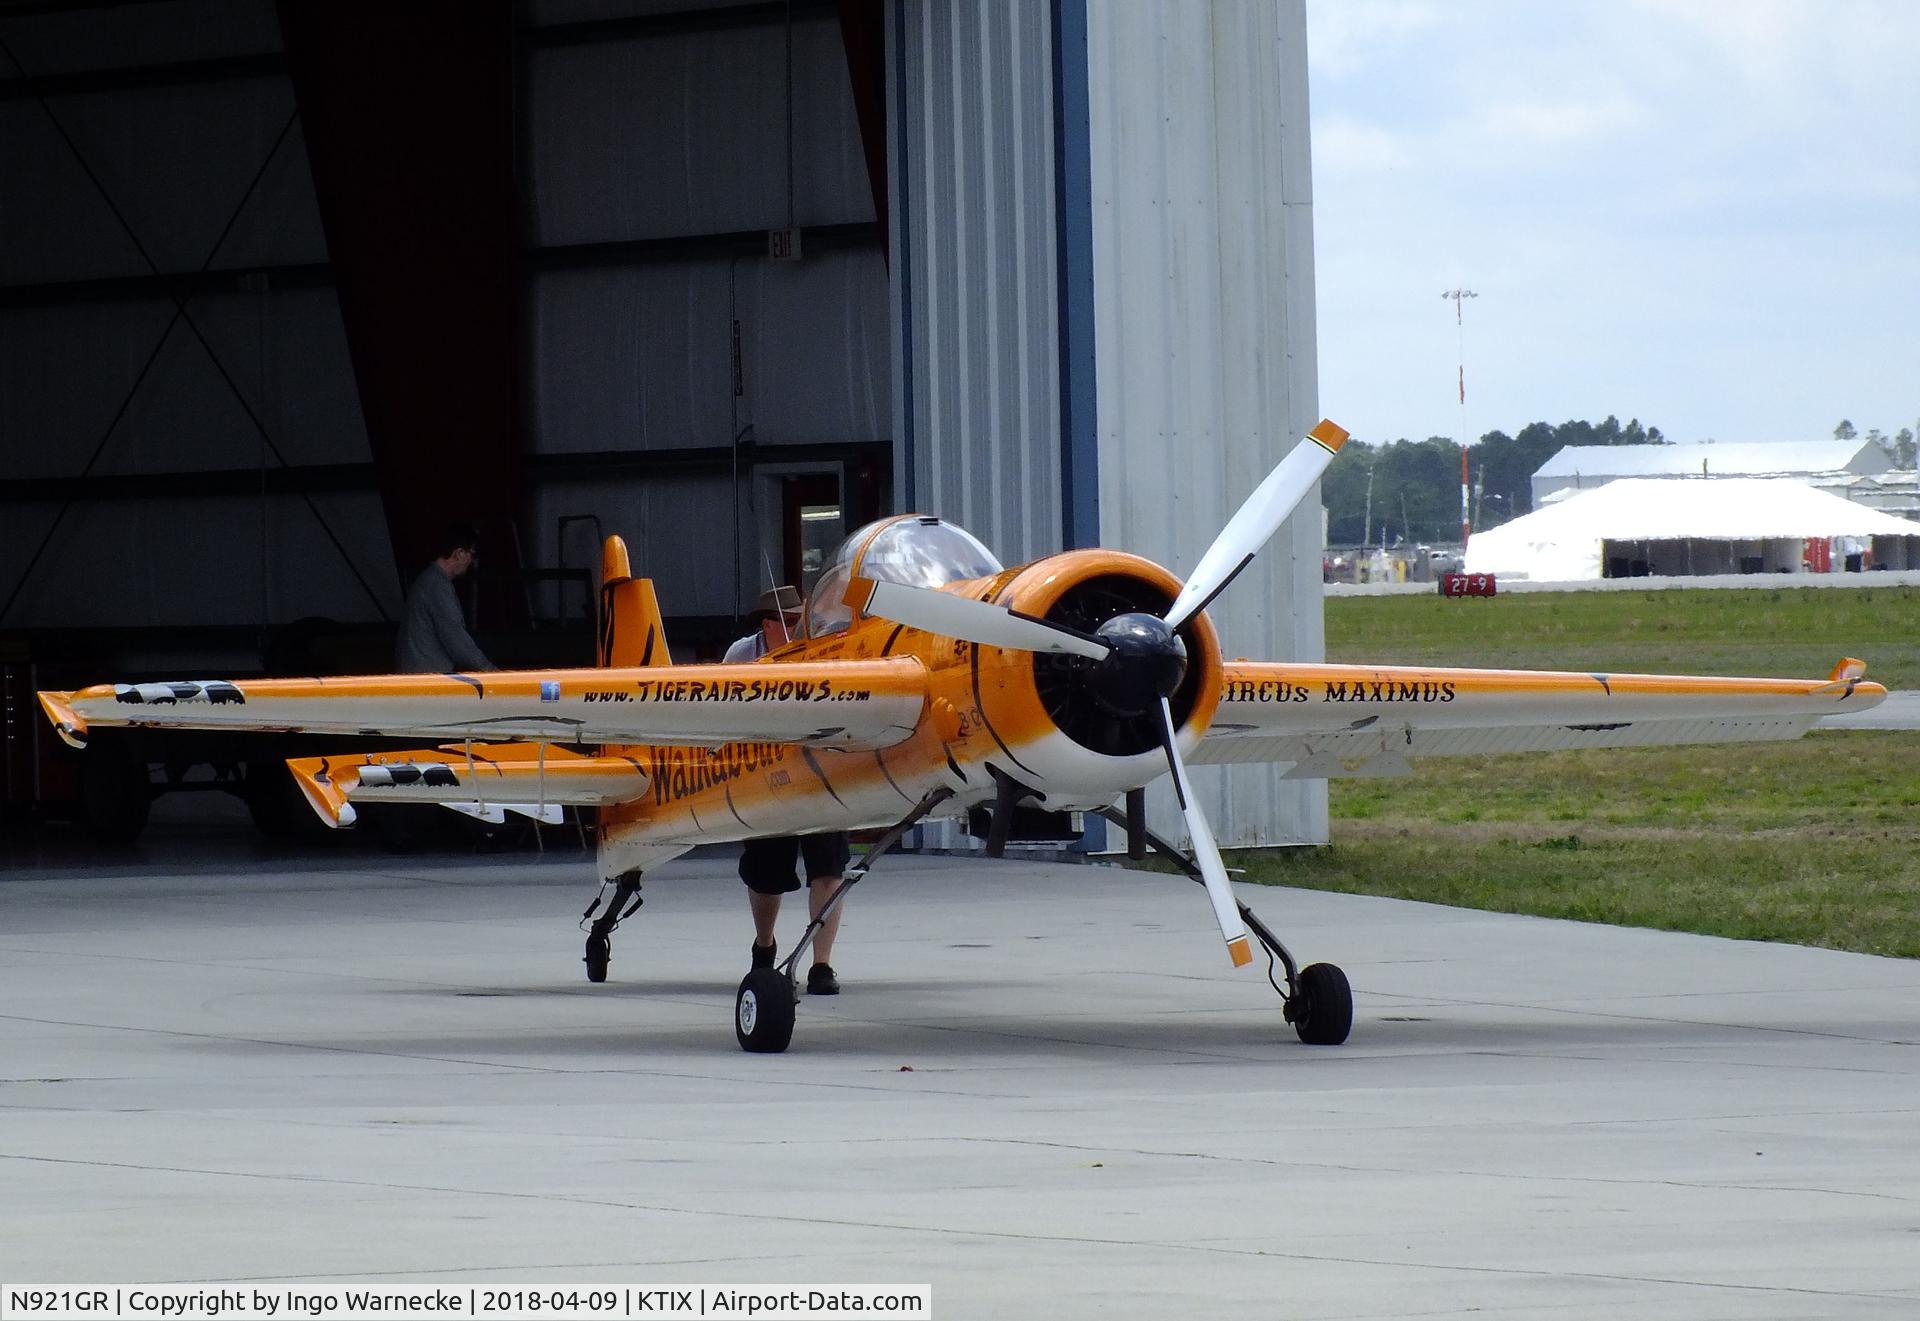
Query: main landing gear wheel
column 763, row 1011
column 1321, row 1009
column 599, row 956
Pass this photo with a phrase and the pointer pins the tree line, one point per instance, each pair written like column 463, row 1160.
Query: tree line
column 1409, row 490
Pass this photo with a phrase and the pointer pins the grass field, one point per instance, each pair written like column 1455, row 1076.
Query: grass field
column 1815, row 841
column 1786, row 633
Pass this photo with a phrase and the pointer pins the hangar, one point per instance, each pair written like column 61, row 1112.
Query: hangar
column 296, row 283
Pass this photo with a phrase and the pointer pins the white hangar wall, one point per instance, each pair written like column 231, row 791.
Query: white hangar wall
column 1103, row 291
column 1204, row 330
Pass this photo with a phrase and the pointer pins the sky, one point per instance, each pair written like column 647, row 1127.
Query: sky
column 1702, row 214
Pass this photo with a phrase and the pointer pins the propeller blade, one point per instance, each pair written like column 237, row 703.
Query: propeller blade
column 1205, row 851
column 969, row 620
column 1254, row 524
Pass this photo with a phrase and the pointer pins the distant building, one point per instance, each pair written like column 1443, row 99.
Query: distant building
column 1827, row 465
column 1641, row 527
column 1896, row 491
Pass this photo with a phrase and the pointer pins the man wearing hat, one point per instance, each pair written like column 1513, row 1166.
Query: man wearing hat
column 778, row 614
column 767, row 865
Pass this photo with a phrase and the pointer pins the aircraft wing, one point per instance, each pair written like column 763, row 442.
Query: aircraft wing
column 1352, row 720
column 834, row 704
column 482, row 779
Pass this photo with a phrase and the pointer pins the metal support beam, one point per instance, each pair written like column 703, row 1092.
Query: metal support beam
column 166, row 286
column 856, row 237
column 1073, row 216
column 178, row 285
column 139, row 77
column 190, row 485
column 592, row 465
column 640, row 27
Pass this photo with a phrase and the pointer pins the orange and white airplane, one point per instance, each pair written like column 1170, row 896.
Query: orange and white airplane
column 930, row 679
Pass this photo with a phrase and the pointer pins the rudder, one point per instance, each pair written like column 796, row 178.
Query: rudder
column 631, row 631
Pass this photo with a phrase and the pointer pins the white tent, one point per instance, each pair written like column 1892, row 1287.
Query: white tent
column 1824, row 463
column 1686, row 526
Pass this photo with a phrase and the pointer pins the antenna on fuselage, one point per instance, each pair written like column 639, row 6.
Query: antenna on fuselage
column 774, row 587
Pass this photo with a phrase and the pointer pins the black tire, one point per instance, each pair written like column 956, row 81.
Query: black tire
column 763, row 1011
column 1323, row 1008
column 599, row 956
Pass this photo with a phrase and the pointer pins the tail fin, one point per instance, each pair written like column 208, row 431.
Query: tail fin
column 631, row 632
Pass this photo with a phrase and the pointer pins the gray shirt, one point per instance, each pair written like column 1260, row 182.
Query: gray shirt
column 433, row 633
column 750, row 648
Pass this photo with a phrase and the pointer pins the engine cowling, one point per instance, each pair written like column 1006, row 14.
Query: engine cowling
column 1085, row 731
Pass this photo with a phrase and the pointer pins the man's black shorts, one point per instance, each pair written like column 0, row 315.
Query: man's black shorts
column 766, row 865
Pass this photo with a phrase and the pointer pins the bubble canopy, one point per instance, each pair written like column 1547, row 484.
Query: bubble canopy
column 916, row 549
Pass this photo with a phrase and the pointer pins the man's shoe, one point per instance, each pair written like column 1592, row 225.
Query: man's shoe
column 763, row 954
column 821, row 981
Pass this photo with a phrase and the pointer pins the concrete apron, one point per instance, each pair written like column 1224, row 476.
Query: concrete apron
column 1044, row 1091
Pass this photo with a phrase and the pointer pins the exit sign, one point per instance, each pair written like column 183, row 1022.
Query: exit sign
column 783, row 244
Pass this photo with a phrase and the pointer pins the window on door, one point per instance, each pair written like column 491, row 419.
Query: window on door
column 813, row 525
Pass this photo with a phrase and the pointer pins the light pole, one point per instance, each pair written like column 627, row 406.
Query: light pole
column 1458, row 296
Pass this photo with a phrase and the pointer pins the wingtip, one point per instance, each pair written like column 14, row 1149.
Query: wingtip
column 66, row 722
column 1848, row 668
column 324, row 792
column 1328, row 435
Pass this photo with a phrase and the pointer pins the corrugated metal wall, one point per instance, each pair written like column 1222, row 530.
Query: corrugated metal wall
column 654, row 147
column 686, row 133
column 972, row 179
column 683, row 135
column 78, row 321
column 1204, row 328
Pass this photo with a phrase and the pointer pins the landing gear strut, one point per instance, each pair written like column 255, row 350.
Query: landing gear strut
column 763, row 1006
column 1316, row 999
column 626, row 901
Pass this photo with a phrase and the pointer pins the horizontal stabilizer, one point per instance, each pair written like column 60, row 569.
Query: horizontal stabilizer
column 484, row 781
column 551, row 814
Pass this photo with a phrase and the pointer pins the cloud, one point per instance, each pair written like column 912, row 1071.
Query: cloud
column 1352, row 33
column 1555, row 123
column 1351, row 143
column 1697, row 212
